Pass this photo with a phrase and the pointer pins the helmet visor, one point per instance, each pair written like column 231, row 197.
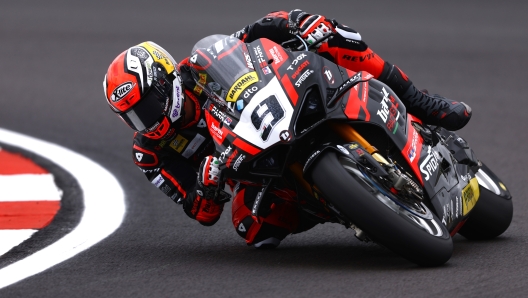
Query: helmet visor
column 153, row 105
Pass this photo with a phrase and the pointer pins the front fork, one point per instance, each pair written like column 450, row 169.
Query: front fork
column 349, row 134
column 400, row 182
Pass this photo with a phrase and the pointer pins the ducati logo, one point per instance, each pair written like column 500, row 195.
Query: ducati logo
column 193, row 58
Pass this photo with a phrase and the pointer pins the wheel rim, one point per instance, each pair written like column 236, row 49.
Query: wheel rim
column 420, row 215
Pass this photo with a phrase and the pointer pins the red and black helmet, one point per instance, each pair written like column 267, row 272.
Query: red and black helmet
column 144, row 88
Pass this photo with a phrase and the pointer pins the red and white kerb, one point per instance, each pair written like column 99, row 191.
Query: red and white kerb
column 29, row 199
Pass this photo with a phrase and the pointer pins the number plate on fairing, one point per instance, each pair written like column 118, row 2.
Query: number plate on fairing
column 267, row 114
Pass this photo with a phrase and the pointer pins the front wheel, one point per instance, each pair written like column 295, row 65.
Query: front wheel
column 414, row 233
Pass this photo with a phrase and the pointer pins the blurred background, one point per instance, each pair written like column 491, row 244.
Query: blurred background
column 54, row 55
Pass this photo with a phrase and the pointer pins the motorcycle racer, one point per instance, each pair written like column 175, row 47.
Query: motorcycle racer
column 160, row 100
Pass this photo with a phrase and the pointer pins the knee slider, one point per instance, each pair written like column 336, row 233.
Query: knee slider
column 268, row 243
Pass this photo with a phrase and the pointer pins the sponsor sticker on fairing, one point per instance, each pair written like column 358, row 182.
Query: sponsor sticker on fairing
column 249, row 63
column 300, row 68
column 296, row 61
column 328, row 75
column 266, row 70
column 224, row 154
column 243, row 82
column 389, row 111
column 411, row 152
column 277, row 57
column 303, row 77
column 220, row 115
column 430, row 164
column 238, row 162
column 352, row 80
column 260, row 56
column 217, row 132
column 249, row 91
column 231, row 157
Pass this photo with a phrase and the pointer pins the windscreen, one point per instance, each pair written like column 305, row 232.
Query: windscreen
column 223, row 69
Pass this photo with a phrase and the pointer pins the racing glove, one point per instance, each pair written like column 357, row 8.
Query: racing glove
column 206, row 212
column 208, row 176
column 201, row 205
column 310, row 27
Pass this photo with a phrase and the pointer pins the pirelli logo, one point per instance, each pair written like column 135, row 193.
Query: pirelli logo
column 470, row 196
column 242, row 83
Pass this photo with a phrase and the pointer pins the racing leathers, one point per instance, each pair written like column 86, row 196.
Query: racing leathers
column 171, row 163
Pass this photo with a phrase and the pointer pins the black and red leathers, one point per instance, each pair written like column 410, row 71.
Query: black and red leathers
column 172, row 162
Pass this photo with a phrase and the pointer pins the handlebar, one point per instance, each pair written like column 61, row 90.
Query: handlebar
column 303, row 44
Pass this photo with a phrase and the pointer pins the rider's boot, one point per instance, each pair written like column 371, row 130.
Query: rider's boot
column 434, row 110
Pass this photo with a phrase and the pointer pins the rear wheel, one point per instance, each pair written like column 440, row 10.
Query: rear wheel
column 410, row 230
column 493, row 212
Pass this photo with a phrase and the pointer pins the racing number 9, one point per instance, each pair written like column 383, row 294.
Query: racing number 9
column 266, row 115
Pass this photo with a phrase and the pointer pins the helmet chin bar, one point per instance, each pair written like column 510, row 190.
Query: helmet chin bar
column 159, row 130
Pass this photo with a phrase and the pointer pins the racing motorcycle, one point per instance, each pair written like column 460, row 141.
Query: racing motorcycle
column 344, row 143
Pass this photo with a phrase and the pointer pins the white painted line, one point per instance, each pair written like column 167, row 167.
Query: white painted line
column 12, row 238
column 104, row 207
column 23, row 187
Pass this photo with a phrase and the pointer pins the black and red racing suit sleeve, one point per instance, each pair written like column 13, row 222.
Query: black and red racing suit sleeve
column 273, row 26
column 175, row 176
column 346, row 49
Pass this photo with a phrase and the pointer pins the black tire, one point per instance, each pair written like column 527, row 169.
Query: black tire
column 490, row 217
column 383, row 225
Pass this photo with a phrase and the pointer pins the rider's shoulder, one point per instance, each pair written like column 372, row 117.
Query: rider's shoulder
column 144, row 151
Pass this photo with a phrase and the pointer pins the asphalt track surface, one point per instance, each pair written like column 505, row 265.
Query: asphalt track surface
column 54, row 54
